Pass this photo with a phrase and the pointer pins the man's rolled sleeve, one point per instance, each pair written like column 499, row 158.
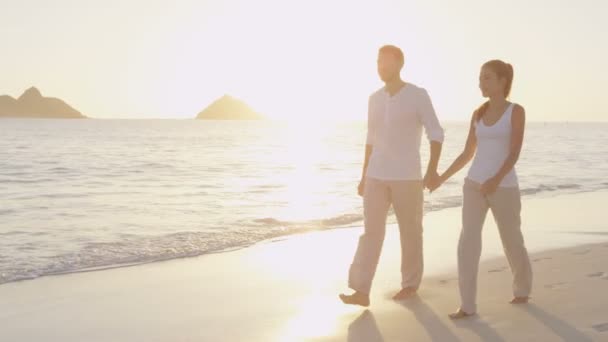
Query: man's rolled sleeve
column 426, row 114
column 371, row 125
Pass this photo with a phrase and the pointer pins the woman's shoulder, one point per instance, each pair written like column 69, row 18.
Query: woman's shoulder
column 518, row 109
column 518, row 115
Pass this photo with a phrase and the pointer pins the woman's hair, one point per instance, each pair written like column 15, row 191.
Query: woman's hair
column 502, row 70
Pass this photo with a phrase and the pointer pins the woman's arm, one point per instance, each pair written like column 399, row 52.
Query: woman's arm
column 466, row 155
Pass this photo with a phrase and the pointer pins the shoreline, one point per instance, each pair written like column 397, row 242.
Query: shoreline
column 287, row 289
column 540, row 195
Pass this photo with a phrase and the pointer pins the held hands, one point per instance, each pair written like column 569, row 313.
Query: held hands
column 490, row 186
column 432, row 180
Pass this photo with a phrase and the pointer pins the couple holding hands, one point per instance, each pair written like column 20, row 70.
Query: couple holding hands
column 397, row 114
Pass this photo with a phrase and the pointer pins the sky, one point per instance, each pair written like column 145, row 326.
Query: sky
column 302, row 60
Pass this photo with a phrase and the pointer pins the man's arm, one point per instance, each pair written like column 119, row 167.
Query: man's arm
column 369, row 144
column 368, row 153
column 434, row 133
column 434, row 159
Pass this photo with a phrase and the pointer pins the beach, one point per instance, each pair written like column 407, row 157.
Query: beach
column 176, row 171
column 286, row 289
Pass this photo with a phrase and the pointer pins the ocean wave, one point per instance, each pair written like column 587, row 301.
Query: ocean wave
column 26, row 181
column 134, row 250
column 131, row 249
column 340, row 220
column 6, row 211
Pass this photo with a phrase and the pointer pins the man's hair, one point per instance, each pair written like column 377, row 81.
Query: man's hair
column 393, row 50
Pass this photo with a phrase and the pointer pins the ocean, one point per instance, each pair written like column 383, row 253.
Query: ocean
column 78, row 195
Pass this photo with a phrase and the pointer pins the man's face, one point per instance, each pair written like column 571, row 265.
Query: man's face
column 389, row 66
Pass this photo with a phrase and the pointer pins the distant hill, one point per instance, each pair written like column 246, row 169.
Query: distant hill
column 229, row 108
column 31, row 104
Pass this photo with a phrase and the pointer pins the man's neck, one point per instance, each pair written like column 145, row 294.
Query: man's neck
column 393, row 86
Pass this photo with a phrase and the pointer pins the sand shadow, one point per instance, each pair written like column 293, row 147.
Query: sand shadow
column 433, row 325
column 561, row 328
column 600, row 233
column 364, row 329
column 479, row 327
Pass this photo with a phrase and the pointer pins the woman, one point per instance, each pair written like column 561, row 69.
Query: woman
column 495, row 139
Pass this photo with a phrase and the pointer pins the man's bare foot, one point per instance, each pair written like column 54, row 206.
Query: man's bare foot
column 357, row 298
column 520, row 300
column 460, row 314
column 405, row 293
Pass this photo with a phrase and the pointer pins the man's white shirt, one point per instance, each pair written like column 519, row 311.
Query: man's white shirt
column 394, row 130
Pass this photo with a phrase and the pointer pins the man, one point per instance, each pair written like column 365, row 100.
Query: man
column 392, row 175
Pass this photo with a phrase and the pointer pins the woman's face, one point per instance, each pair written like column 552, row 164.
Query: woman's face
column 490, row 84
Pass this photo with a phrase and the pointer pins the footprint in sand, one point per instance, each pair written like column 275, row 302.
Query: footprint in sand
column 496, row 270
column 601, row 275
column 556, row 286
column 601, row 327
column 446, row 281
column 541, row 259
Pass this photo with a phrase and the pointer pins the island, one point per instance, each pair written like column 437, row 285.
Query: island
column 229, row 108
column 31, row 104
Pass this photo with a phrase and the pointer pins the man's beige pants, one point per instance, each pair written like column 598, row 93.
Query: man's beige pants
column 407, row 199
column 505, row 204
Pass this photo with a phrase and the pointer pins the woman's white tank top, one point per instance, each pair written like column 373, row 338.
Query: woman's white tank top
column 493, row 147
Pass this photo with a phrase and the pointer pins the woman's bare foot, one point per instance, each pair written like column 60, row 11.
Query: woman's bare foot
column 460, row 314
column 405, row 293
column 357, row 298
column 520, row 300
